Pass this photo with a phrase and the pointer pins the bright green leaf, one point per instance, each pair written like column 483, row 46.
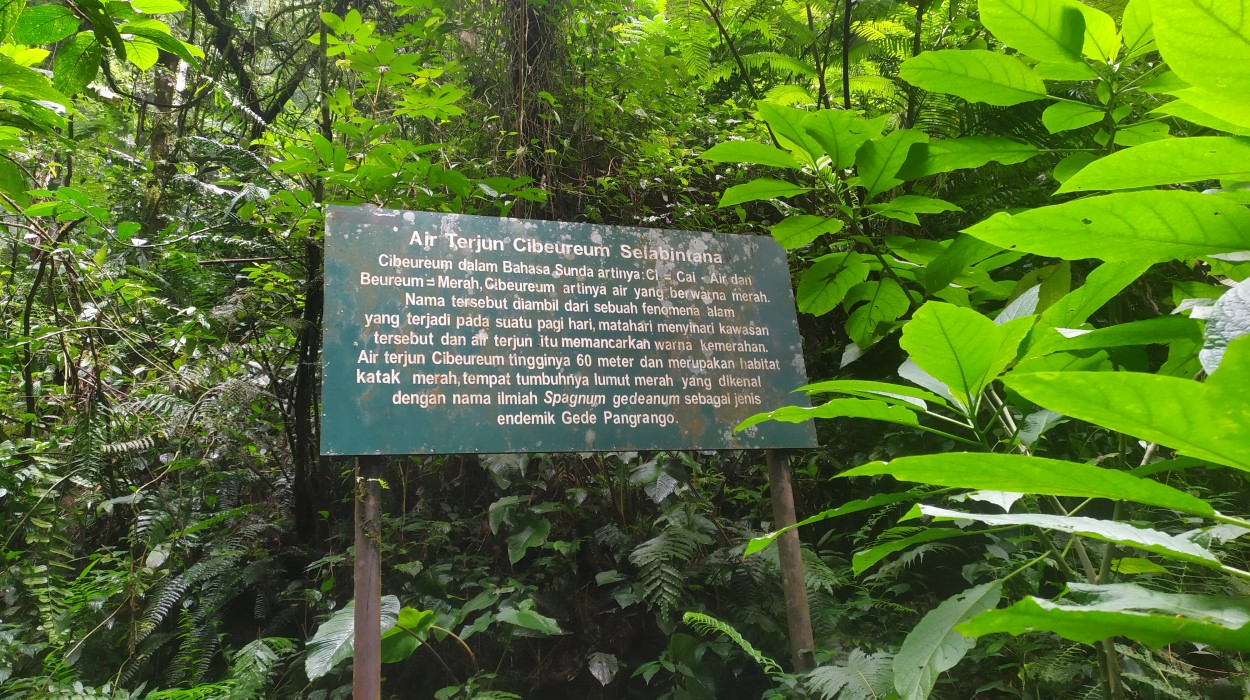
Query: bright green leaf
column 1161, row 543
column 758, row 543
column 1179, row 413
column 1166, row 162
column 1182, row 109
column 157, row 7
column 961, row 253
column 1136, row 28
column 760, row 188
column 410, row 630
column 1101, row 41
column 1150, row 617
column 1065, row 116
column 1047, row 30
column 1139, row 226
column 959, row 347
column 865, row 559
column 934, row 646
column 799, row 230
column 841, row 133
column 45, row 24
column 969, row 152
column 1024, row 474
column 529, row 620
column 333, row 641
column 874, row 302
column 825, row 284
column 76, row 63
column 10, row 14
column 838, row 408
column 1150, row 331
column 976, row 76
column 787, row 125
column 750, row 152
column 879, row 161
column 1206, row 42
column 905, row 207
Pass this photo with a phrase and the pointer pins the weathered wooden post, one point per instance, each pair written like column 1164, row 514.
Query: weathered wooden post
column 367, row 582
column 793, row 583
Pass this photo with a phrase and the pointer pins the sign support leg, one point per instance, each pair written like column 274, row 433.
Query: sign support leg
column 798, row 617
column 367, row 577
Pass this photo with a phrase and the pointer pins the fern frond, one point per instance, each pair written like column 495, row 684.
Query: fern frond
column 706, row 624
column 860, row 677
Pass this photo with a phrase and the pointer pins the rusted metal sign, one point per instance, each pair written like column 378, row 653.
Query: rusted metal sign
column 450, row 333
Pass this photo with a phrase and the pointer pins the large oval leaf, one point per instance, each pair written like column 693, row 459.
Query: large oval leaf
column 760, row 188
column 838, row 408
column 826, row 283
column 970, row 152
column 750, row 152
column 934, row 645
column 1207, row 421
column 959, row 347
column 76, row 63
column 878, row 161
column 1047, row 30
column 1166, row 162
column 10, row 13
column 1206, row 42
column 1125, row 610
column 1161, row 543
column 1137, row 226
column 45, row 24
column 333, row 641
column 1022, row 474
column 976, row 76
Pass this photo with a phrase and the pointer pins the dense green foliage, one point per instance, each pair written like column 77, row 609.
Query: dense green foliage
column 1018, row 232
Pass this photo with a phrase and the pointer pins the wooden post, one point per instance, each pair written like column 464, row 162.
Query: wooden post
column 367, row 577
column 798, row 617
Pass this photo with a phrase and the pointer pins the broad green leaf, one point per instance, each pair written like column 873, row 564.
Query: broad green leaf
column 856, row 506
column 1136, row 28
column 976, row 76
column 45, row 24
column 1166, row 162
column 826, row 283
column 1137, row 226
column 1150, row 331
column 874, row 302
column 838, row 408
column 1191, row 417
column 750, row 152
column 874, row 390
column 934, row 646
column 840, row 132
column 1220, row 105
column 1229, row 320
column 1161, row 543
column 1065, row 71
column 141, row 52
column 787, row 125
column 799, row 230
column 529, row 620
column 1047, row 30
column 969, row 152
column 961, row 253
column 105, row 29
column 1206, row 42
column 1102, row 41
column 959, row 347
column 157, row 33
column 1101, row 285
column 1125, row 610
column 1187, row 111
column 333, row 641
column 1071, row 165
column 13, row 181
column 760, row 188
column 1136, row 134
column 877, row 162
column 76, row 63
column 10, row 14
column 1024, row 474
column 410, row 630
column 865, row 559
column 157, row 7
column 30, row 82
column 1065, row 116
column 905, row 207
column 530, row 531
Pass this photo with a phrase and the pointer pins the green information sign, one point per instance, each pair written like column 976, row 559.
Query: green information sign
column 449, row 333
